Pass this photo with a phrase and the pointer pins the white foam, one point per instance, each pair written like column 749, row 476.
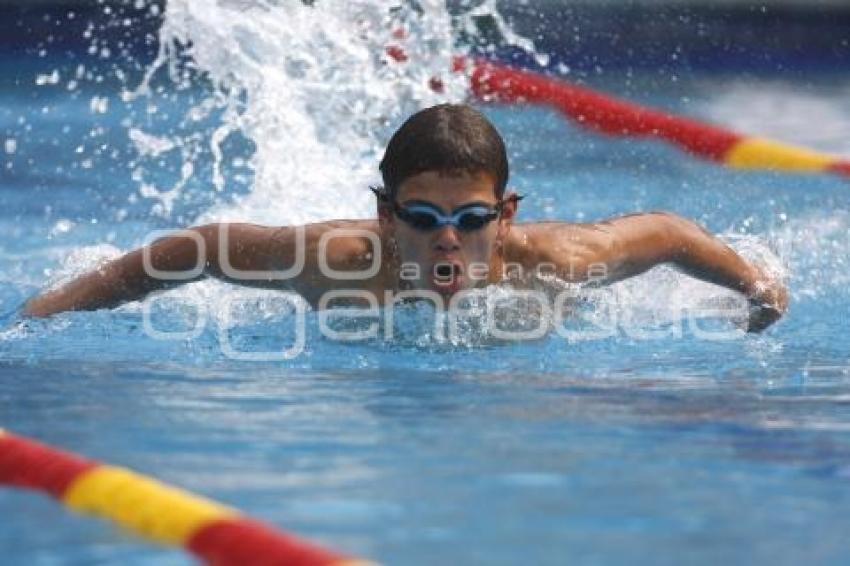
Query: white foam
column 314, row 90
column 311, row 86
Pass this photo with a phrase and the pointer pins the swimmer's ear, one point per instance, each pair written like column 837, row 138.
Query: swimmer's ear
column 507, row 211
column 380, row 193
column 509, row 205
column 383, row 204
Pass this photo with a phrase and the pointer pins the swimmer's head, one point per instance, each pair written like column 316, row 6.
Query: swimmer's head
column 449, row 139
column 443, row 205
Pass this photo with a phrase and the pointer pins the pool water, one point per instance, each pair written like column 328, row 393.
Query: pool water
column 650, row 445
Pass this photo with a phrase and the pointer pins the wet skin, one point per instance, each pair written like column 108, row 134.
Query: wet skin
column 443, row 261
column 451, row 250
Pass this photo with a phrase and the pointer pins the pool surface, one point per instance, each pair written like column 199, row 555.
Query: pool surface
column 652, row 444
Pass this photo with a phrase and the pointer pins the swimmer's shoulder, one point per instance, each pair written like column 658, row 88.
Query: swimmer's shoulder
column 532, row 243
column 345, row 244
column 353, row 232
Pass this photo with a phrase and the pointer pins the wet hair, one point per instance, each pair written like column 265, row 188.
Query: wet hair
column 447, row 138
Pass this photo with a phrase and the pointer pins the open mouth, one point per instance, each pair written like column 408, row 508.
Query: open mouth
column 446, row 270
column 448, row 275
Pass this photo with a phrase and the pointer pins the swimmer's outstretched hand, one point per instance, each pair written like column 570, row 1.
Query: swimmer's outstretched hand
column 768, row 302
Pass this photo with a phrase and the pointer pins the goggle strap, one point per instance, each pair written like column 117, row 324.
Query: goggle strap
column 512, row 198
column 380, row 193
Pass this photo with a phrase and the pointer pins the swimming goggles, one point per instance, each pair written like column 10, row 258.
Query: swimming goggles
column 427, row 217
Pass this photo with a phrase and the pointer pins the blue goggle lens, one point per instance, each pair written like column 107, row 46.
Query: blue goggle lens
column 467, row 219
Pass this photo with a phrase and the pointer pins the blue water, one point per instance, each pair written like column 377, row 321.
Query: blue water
column 617, row 450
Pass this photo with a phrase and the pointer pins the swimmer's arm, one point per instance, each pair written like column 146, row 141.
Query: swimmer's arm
column 629, row 245
column 249, row 248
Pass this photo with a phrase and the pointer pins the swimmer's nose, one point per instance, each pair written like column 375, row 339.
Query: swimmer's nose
column 447, row 239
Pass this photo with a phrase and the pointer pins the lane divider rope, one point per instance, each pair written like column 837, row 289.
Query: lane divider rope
column 217, row 534
column 496, row 82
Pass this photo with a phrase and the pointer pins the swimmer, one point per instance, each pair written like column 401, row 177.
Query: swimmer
column 445, row 224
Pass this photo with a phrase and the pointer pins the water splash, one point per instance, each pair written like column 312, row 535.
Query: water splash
column 316, row 89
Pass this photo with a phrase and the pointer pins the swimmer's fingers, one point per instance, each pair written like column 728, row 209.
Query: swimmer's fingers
column 767, row 305
column 761, row 317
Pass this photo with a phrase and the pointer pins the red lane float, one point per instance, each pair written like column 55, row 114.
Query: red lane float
column 219, row 535
column 490, row 81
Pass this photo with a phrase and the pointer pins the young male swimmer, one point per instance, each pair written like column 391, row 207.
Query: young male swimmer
column 445, row 224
